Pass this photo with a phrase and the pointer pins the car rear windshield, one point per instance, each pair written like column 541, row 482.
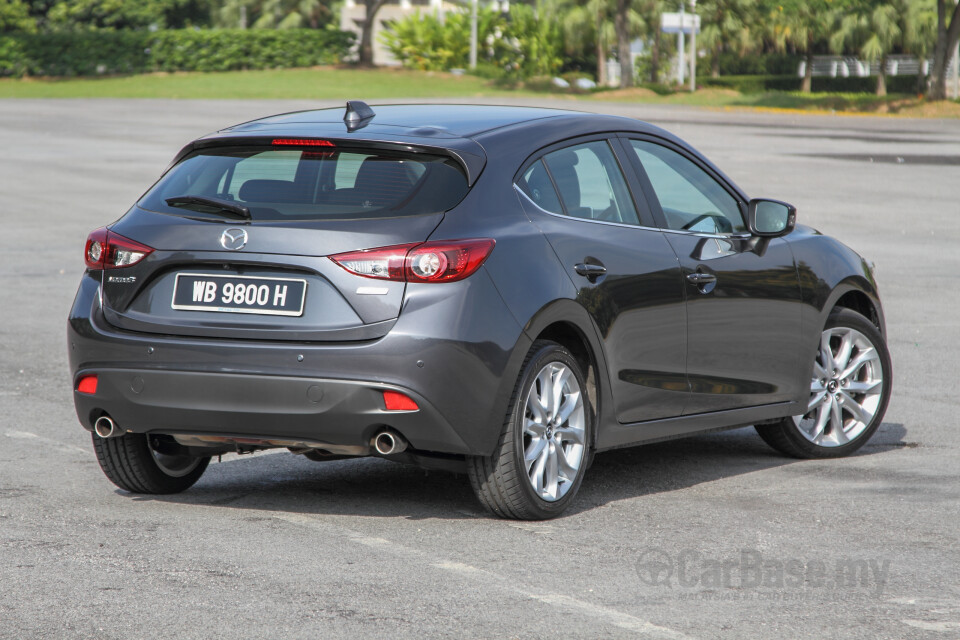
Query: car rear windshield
column 309, row 184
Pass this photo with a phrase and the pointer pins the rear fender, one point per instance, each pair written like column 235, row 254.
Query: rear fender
column 571, row 314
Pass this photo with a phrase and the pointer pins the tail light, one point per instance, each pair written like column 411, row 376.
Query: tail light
column 108, row 250
column 441, row 261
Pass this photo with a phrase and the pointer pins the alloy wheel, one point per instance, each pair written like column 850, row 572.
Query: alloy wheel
column 553, row 432
column 846, row 389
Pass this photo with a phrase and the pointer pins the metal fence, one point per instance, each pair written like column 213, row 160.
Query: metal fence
column 849, row 67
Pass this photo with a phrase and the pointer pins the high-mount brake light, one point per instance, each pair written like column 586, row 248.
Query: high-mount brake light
column 439, row 261
column 301, row 142
column 108, row 250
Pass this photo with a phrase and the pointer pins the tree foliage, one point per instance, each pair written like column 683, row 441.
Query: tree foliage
column 729, row 26
column 127, row 14
column 948, row 33
column 273, row 14
column 520, row 44
column 15, row 16
column 547, row 36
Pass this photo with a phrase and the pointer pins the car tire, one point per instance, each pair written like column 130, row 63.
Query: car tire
column 133, row 463
column 544, row 446
column 849, row 392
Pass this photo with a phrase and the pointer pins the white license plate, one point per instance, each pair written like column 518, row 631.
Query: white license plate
column 239, row 294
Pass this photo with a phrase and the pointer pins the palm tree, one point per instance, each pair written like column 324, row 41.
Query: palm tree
column 803, row 26
column 920, row 33
column 628, row 23
column 947, row 35
column 651, row 11
column 874, row 29
column 587, row 26
column 273, row 14
column 728, row 25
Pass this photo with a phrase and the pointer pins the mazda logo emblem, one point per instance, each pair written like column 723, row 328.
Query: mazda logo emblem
column 233, row 239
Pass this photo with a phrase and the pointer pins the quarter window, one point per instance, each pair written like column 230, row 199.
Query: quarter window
column 690, row 198
column 538, row 185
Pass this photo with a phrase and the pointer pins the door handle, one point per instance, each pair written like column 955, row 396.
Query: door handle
column 701, row 279
column 590, row 271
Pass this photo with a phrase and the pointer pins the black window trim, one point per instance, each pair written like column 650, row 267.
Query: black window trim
column 553, row 181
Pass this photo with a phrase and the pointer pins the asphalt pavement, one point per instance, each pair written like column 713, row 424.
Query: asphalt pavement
column 714, row 536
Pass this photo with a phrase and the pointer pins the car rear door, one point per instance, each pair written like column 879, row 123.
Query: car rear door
column 627, row 275
column 743, row 293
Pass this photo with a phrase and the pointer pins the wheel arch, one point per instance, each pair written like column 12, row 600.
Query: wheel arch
column 569, row 324
column 857, row 300
column 857, row 294
column 853, row 292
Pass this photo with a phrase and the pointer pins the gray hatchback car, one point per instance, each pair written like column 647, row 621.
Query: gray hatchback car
column 500, row 291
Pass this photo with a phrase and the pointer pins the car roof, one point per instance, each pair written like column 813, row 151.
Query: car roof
column 468, row 132
column 457, row 120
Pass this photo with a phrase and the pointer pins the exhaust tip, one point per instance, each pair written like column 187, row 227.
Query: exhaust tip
column 387, row 443
column 105, row 427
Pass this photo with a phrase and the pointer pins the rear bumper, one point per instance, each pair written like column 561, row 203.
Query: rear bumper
column 455, row 349
column 340, row 413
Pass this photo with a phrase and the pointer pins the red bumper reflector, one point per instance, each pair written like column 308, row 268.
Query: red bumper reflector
column 396, row 401
column 87, row 384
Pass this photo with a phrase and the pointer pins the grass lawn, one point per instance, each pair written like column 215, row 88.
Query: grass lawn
column 866, row 103
column 377, row 84
column 308, row 84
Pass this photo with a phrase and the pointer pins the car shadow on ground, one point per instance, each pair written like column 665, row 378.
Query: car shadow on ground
column 375, row 487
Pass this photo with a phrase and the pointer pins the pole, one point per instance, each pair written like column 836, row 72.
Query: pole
column 956, row 72
column 680, row 46
column 473, row 34
column 693, row 47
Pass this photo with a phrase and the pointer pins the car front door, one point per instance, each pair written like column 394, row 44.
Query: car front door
column 743, row 294
column 627, row 275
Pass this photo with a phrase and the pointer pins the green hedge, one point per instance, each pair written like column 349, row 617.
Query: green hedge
column 761, row 84
column 112, row 52
column 733, row 64
column 231, row 49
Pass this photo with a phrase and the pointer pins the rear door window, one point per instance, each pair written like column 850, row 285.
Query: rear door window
column 591, row 184
column 297, row 184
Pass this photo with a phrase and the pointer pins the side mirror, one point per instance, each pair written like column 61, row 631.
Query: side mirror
column 770, row 218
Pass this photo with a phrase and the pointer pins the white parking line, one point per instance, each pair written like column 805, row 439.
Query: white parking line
column 948, row 626
column 501, row 583
column 26, row 435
